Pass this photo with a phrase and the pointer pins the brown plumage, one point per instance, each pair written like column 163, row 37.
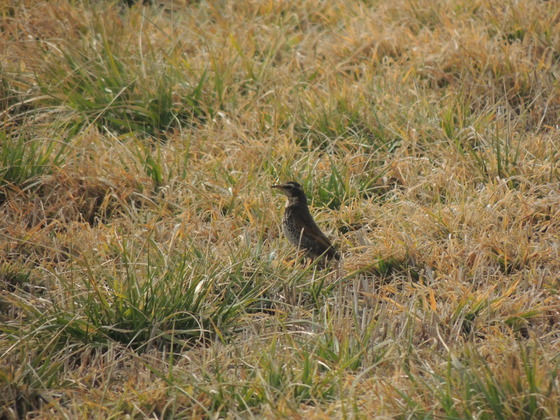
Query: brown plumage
column 300, row 228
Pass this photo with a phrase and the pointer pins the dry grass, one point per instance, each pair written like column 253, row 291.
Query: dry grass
column 143, row 272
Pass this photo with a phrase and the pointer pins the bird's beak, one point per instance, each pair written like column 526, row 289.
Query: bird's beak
column 281, row 188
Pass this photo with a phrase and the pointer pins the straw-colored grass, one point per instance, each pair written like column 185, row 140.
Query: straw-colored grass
column 142, row 267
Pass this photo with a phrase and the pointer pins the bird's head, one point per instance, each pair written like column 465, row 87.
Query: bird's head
column 293, row 191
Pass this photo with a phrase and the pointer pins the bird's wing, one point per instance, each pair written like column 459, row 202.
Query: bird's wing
column 312, row 231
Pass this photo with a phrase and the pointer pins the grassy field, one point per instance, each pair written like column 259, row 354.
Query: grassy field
column 142, row 267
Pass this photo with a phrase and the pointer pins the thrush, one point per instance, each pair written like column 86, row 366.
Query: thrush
column 300, row 228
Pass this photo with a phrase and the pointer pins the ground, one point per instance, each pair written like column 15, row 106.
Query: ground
column 142, row 266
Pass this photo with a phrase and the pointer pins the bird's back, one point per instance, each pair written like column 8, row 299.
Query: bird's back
column 302, row 231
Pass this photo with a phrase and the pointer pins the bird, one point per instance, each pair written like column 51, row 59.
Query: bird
column 300, row 228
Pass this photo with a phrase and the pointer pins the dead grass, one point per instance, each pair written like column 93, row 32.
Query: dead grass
column 142, row 267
